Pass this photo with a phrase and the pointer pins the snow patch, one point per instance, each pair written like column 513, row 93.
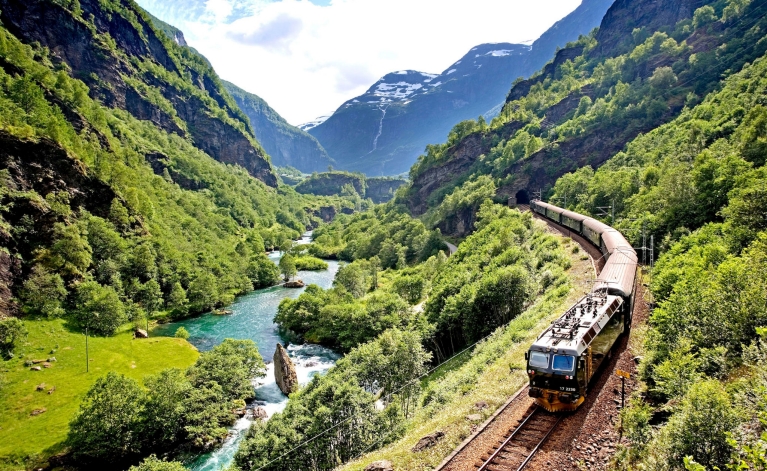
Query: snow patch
column 397, row 90
column 401, row 72
column 499, row 53
column 450, row 71
column 436, row 84
column 313, row 124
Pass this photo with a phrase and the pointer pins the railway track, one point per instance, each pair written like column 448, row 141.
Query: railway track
column 523, row 441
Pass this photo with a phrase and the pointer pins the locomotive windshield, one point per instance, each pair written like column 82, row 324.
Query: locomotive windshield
column 563, row 363
column 539, row 360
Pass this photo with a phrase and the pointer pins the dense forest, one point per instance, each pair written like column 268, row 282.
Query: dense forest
column 115, row 212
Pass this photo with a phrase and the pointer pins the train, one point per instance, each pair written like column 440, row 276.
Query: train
column 565, row 358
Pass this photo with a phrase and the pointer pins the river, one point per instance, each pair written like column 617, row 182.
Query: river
column 251, row 318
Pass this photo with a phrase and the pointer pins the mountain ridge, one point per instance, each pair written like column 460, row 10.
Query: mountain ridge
column 360, row 136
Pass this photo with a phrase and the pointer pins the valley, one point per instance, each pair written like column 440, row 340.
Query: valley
column 162, row 230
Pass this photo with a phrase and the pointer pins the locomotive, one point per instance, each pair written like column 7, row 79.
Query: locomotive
column 564, row 359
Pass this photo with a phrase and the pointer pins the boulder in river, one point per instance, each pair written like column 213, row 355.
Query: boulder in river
column 284, row 371
column 294, row 284
column 260, row 413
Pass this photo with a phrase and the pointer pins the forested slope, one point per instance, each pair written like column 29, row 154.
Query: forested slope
column 131, row 187
column 643, row 66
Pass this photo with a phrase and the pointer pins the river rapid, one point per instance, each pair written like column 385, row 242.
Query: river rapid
column 251, row 318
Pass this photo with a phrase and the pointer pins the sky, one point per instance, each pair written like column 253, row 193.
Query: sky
column 307, row 57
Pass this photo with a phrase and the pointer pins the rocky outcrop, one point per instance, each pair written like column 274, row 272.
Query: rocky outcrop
column 111, row 75
column 287, row 145
column 332, row 183
column 614, row 36
column 44, row 167
column 428, row 441
column 294, row 284
column 381, row 190
column 381, row 465
column 284, row 371
column 161, row 164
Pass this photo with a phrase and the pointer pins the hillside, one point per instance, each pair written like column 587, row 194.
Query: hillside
column 287, row 145
column 582, row 108
column 131, row 190
column 383, row 131
column 378, row 189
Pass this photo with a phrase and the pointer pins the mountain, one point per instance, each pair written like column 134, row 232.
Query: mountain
column 383, row 131
column 646, row 64
column 286, row 144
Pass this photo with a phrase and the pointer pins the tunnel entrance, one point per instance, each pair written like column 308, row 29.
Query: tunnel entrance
column 522, row 197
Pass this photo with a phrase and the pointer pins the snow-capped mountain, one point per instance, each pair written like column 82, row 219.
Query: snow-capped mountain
column 382, row 131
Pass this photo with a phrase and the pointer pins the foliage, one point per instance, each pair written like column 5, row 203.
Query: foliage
column 307, row 262
column 287, row 267
column 232, row 364
column 12, row 330
column 98, row 308
column 153, row 464
column 182, row 333
column 106, row 428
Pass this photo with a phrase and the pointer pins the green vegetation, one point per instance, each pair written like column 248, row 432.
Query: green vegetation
column 307, row 262
column 497, row 273
column 611, row 100
column 118, row 421
column 25, row 436
column 697, row 185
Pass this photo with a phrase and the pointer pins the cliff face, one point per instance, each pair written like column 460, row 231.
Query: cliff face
column 568, row 143
column 383, row 131
column 381, row 190
column 43, row 168
column 287, row 145
column 331, row 183
column 128, row 64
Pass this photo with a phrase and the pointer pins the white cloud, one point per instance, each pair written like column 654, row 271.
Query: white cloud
column 305, row 60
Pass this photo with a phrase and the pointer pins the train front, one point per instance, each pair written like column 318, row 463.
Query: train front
column 555, row 380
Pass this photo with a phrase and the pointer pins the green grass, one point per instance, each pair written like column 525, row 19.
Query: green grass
column 23, row 436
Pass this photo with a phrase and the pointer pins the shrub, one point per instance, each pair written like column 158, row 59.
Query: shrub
column 154, row 464
column 182, row 333
column 11, row 331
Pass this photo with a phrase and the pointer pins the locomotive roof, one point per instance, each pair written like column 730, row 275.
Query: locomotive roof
column 574, row 331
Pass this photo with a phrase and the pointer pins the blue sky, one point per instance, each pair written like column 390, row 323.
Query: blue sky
column 306, row 57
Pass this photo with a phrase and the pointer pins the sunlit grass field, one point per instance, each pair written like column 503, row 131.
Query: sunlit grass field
column 25, row 435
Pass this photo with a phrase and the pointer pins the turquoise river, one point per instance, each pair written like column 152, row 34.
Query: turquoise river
column 251, row 318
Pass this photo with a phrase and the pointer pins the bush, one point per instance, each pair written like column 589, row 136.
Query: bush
column 98, row 308
column 106, row 428
column 181, row 333
column 232, row 364
column 307, row 262
column 701, row 427
column 154, row 464
column 12, row 330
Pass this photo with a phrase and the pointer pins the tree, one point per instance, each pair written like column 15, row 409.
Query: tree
column 70, row 251
column 105, row 430
column 663, row 78
column 375, row 266
column 150, row 296
column 11, row 331
column 177, row 297
column 207, row 413
column 410, row 287
column 287, row 267
column 203, row 291
column 154, row 464
column 354, row 278
column 98, row 308
column 232, row 364
column 165, row 409
column 701, row 427
column 181, row 333
column 43, row 292
column 262, row 272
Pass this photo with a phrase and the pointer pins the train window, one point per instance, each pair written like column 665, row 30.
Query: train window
column 539, row 360
column 563, row 363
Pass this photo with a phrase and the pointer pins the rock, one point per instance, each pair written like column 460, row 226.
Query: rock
column 35, row 368
column 141, row 334
column 40, row 387
column 260, row 413
column 240, row 412
column 481, row 405
column 46, row 365
column 51, row 359
column 37, row 411
column 310, row 364
column 382, row 465
column 428, row 441
column 284, row 371
column 474, row 417
column 53, row 388
column 638, row 359
column 36, row 362
column 294, row 284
